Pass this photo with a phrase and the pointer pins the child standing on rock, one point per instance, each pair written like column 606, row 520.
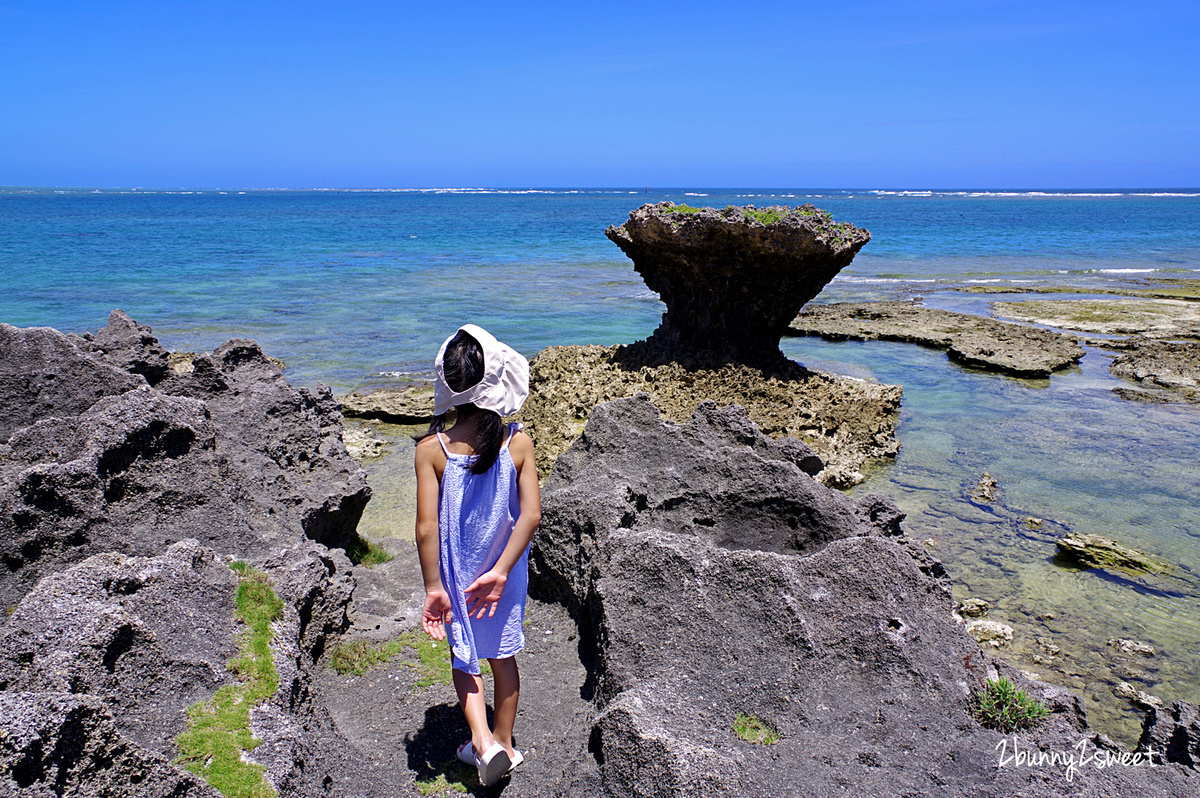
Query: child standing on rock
column 478, row 504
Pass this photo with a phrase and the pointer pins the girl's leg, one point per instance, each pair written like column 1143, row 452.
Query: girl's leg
column 507, row 683
column 470, row 695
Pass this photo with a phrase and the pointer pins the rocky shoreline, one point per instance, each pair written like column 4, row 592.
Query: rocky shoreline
column 1160, row 353
column 666, row 550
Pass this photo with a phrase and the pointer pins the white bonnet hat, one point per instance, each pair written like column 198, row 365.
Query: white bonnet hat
column 505, row 382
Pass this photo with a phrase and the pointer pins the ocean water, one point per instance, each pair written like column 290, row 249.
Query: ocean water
column 358, row 288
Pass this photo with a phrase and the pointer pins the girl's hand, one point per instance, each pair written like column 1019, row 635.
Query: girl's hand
column 436, row 614
column 484, row 592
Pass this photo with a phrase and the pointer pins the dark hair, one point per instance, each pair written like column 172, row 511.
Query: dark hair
column 462, row 366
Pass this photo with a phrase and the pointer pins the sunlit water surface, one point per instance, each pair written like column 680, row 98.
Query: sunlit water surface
column 356, row 289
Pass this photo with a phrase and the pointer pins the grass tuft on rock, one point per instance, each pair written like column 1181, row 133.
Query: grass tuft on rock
column 766, row 215
column 429, row 657
column 219, row 730
column 451, row 778
column 365, row 553
column 1001, row 706
column 754, row 729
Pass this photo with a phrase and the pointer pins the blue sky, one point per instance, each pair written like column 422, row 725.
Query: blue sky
column 970, row 93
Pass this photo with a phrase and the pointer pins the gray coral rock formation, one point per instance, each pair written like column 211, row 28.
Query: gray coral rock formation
column 731, row 282
column 31, row 389
column 129, row 346
column 1170, row 365
column 148, row 636
column 849, row 423
column 1172, row 734
column 712, row 576
column 58, row 744
column 97, row 460
column 1002, row 346
column 122, row 646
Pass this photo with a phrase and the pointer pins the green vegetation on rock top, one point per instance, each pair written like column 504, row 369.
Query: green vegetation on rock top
column 219, row 730
column 1003, row 707
column 764, row 216
column 754, row 729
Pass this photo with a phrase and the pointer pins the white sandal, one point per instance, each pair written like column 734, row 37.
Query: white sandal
column 493, row 765
column 466, row 755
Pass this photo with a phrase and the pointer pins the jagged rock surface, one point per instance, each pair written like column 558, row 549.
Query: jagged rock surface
column 30, row 390
column 1170, row 365
column 849, row 424
column 731, row 283
column 837, row 636
column 135, row 641
column 58, row 744
column 973, row 340
column 129, row 346
column 1173, row 734
column 230, row 454
column 148, row 636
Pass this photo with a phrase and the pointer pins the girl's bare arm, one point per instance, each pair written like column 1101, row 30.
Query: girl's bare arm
column 436, row 611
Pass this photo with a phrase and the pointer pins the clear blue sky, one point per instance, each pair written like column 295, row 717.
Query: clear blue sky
column 968, row 93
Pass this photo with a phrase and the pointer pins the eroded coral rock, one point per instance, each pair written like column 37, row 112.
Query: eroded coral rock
column 992, row 633
column 129, row 346
column 849, row 424
column 973, row 340
column 97, row 460
column 409, row 404
column 63, row 743
column 839, row 639
column 1172, row 734
column 733, row 279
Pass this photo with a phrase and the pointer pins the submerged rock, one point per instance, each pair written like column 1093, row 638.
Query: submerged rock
column 993, row 633
column 1095, row 551
column 973, row 340
column 973, row 608
column 733, row 279
column 986, row 490
column 1133, row 647
column 849, row 424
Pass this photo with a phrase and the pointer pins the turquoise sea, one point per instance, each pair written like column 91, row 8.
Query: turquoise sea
column 358, row 288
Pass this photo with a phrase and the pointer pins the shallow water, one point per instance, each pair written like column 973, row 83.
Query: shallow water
column 354, row 288
column 1071, row 453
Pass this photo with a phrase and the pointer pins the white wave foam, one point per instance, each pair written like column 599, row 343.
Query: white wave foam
column 844, row 279
column 1058, row 194
column 693, row 194
column 1121, row 271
